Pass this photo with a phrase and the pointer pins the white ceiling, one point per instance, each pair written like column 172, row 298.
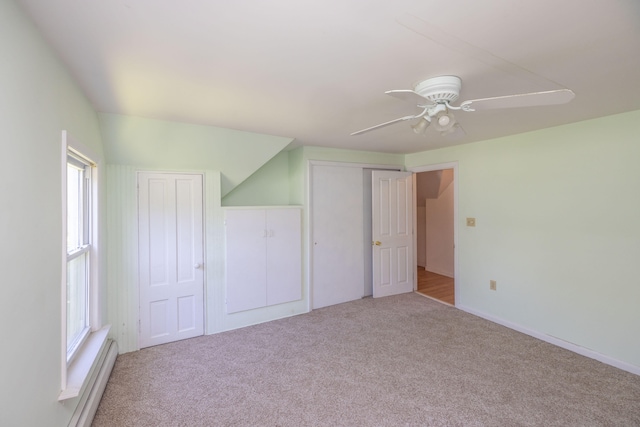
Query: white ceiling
column 317, row 70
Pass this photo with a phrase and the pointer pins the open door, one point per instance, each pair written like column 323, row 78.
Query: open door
column 392, row 232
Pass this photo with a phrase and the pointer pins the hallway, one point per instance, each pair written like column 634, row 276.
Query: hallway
column 436, row 286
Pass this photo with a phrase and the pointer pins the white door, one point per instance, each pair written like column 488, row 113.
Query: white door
column 171, row 256
column 392, row 211
column 337, row 235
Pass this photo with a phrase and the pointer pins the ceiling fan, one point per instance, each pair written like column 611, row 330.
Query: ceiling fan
column 435, row 95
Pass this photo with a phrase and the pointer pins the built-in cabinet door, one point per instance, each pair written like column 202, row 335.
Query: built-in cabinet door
column 246, row 261
column 264, row 257
column 284, row 256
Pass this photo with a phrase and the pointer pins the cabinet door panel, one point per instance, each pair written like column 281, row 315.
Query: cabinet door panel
column 246, row 260
column 284, row 256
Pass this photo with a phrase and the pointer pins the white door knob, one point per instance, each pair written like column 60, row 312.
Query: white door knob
column 197, row 265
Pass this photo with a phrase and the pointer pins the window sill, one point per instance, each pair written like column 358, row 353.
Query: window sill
column 80, row 369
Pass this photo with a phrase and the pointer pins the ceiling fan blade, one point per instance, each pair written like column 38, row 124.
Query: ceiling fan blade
column 409, row 96
column 381, row 125
column 552, row 97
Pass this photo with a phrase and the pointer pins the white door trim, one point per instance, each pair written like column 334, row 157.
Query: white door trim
column 429, row 168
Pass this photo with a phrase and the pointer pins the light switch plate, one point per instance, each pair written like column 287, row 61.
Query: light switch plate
column 471, row 222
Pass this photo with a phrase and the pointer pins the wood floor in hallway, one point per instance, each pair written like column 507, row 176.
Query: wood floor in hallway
column 436, row 286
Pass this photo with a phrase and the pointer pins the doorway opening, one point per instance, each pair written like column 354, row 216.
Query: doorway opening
column 435, row 234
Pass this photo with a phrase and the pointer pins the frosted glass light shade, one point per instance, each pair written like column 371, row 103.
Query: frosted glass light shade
column 421, row 126
column 445, row 121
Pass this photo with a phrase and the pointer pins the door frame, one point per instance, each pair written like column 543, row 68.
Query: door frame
column 430, row 168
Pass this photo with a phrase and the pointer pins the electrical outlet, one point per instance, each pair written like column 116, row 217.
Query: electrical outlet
column 471, row 222
column 492, row 285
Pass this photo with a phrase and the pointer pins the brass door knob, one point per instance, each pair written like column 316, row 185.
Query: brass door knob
column 377, row 243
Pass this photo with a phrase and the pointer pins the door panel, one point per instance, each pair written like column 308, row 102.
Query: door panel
column 186, row 313
column 185, row 244
column 246, row 262
column 170, row 257
column 284, row 252
column 337, row 235
column 158, row 235
column 392, row 208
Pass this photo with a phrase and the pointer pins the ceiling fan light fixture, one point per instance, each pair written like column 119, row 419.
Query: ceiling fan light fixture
column 445, row 121
column 421, row 126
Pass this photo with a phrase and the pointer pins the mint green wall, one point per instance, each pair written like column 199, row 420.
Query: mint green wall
column 296, row 176
column 281, row 181
column 557, row 227
column 38, row 99
column 300, row 157
column 351, row 156
column 269, row 185
column 160, row 144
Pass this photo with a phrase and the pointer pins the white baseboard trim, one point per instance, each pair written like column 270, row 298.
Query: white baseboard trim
column 556, row 341
column 84, row 413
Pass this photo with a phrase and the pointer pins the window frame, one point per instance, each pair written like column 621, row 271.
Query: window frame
column 84, row 246
column 76, row 365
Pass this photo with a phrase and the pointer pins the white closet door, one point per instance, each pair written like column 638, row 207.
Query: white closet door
column 284, row 256
column 170, row 257
column 337, row 227
column 246, row 235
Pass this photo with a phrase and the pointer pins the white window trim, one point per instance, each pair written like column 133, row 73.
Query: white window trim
column 75, row 372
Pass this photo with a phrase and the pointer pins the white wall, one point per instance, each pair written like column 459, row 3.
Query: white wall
column 557, row 227
column 439, row 231
column 38, row 100
column 435, row 212
column 421, row 238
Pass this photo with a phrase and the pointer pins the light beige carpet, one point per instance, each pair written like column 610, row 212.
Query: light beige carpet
column 395, row 361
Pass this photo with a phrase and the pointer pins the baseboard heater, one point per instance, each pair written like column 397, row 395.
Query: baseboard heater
column 86, row 409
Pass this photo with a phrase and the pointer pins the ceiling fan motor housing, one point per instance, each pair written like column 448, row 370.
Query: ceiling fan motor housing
column 443, row 89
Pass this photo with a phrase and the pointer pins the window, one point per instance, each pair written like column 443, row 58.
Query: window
column 79, row 248
column 83, row 337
